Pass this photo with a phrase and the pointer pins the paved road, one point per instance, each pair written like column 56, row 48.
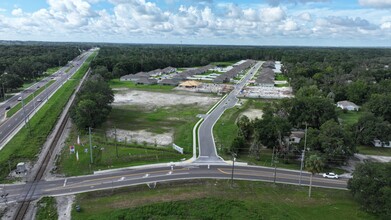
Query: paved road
column 207, row 147
column 129, row 177
column 8, row 127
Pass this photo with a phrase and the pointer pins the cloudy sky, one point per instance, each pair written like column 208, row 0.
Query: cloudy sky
column 245, row 22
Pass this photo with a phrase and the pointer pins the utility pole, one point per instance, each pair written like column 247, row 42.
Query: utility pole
column 233, row 168
column 303, row 153
column 115, row 140
column 89, row 133
column 3, row 91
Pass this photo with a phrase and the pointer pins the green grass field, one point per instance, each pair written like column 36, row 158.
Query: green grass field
column 215, row 199
column 281, row 77
column 179, row 119
column 26, row 144
column 46, row 209
column 349, row 117
column 27, row 99
column 371, row 150
column 116, row 83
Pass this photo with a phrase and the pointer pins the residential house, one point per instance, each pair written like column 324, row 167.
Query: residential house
column 347, row 105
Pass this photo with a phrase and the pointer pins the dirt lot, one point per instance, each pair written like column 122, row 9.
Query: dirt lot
column 151, row 101
column 253, row 114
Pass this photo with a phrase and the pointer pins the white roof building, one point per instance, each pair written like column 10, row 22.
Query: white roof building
column 350, row 106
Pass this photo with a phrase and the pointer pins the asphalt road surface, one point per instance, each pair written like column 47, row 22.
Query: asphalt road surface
column 207, row 147
column 130, row 177
column 23, row 115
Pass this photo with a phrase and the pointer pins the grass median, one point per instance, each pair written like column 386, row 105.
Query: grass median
column 216, row 199
column 18, row 106
column 27, row 143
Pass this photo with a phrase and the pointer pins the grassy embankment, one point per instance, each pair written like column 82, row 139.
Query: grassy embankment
column 27, row 99
column 26, row 144
column 46, row 209
column 179, row 119
column 215, row 199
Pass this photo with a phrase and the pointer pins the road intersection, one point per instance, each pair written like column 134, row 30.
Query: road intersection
column 207, row 166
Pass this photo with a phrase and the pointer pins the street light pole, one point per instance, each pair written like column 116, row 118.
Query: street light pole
column 303, row 153
column 89, row 132
column 233, row 168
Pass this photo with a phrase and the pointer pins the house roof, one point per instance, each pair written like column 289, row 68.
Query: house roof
column 190, row 83
column 146, row 81
column 173, row 82
column 297, row 134
column 347, row 104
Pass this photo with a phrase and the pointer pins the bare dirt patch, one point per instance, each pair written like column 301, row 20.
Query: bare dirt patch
column 152, row 100
column 142, row 136
column 252, row 114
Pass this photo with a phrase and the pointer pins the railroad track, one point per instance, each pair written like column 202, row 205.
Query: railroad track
column 23, row 206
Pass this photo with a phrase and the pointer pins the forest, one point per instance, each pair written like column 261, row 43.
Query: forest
column 25, row 62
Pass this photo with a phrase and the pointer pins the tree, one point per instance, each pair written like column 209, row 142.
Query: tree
column 314, row 165
column 312, row 110
column 370, row 127
column 371, row 187
column 92, row 104
column 336, row 143
column 380, row 105
column 357, row 91
column 10, row 81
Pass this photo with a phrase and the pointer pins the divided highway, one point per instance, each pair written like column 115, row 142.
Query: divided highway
column 10, row 126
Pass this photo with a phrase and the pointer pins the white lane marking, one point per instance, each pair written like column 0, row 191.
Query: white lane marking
column 65, row 182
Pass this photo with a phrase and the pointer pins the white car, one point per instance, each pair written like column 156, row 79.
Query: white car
column 330, row 175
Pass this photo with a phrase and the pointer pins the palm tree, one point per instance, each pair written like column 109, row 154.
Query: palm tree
column 313, row 164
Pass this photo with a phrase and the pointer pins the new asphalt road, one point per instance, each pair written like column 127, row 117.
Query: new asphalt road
column 128, row 177
column 10, row 125
column 207, row 147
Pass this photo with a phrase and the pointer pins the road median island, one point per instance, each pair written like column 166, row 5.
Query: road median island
column 27, row 143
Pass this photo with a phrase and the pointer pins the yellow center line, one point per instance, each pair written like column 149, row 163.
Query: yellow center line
column 85, row 182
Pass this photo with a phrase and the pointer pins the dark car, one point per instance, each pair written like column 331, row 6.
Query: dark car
column 8, row 108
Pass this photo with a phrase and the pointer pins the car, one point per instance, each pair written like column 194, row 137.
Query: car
column 37, row 87
column 330, row 175
column 39, row 100
column 8, row 108
column 20, row 98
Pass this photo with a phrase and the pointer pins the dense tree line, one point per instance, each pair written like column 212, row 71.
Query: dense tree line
column 22, row 62
column 371, row 187
column 92, row 104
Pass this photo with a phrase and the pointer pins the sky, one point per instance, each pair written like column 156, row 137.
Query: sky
column 336, row 23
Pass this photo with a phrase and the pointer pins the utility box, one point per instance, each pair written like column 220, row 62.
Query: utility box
column 21, row 168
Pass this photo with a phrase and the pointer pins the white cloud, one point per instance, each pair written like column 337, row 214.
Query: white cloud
column 386, row 25
column 145, row 21
column 277, row 2
column 305, row 16
column 17, row 12
column 274, row 14
column 376, row 3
